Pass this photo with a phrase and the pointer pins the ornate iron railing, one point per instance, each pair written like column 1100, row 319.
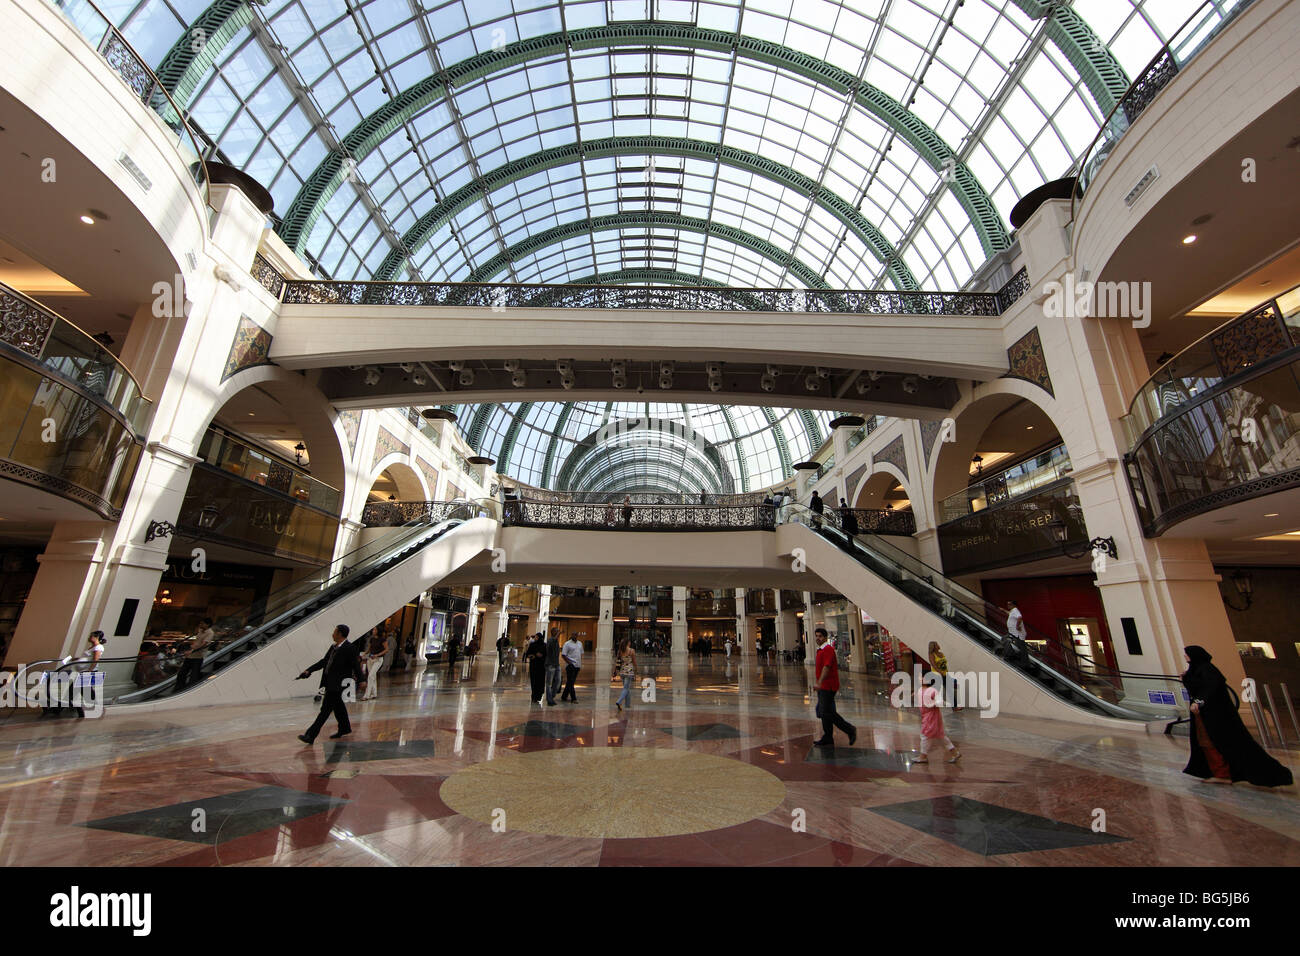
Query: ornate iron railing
column 641, row 498
column 1184, row 44
column 1014, row 288
column 392, row 514
column 680, row 298
column 93, row 24
column 644, row 517
column 268, row 276
column 878, row 520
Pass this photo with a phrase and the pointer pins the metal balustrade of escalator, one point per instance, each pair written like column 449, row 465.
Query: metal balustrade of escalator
column 1046, row 659
column 261, row 622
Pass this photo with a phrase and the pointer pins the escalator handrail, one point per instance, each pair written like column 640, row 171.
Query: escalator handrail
column 421, row 534
column 1114, row 710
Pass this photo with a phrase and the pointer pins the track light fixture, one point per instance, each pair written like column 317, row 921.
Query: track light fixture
column 665, row 381
column 518, row 378
column 767, row 383
column 511, row 365
column 714, row 369
column 665, row 369
column 875, row 376
column 419, row 379
column 618, row 367
column 812, row 383
column 910, row 384
column 564, row 366
column 864, row 385
column 715, row 385
column 467, row 376
column 455, row 365
column 620, row 381
column 823, row 373
column 372, row 375
column 568, row 381
column 406, row 367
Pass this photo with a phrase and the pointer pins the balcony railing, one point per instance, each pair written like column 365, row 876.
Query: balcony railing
column 1007, row 485
column 878, row 520
column 394, row 514
column 1205, row 23
column 93, row 24
column 1014, row 531
column 641, row 517
column 237, row 457
column 41, row 339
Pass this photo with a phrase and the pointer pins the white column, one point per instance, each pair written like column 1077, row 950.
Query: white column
column 809, row 625
column 605, row 635
column 744, row 631
column 495, row 621
column 680, row 634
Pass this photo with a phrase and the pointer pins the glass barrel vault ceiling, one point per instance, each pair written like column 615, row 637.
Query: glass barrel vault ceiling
column 532, row 441
column 341, row 109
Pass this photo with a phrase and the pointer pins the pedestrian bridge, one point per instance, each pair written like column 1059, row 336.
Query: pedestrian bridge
column 881, row 352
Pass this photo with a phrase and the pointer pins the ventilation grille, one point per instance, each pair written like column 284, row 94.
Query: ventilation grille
column 1150, row 176
column 127, row 163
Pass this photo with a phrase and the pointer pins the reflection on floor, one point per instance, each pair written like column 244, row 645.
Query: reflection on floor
column 717, row 769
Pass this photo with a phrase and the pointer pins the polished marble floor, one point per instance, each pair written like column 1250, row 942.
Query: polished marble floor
column 718, row 769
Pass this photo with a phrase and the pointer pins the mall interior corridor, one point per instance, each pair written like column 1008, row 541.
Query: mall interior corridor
column 719, row 770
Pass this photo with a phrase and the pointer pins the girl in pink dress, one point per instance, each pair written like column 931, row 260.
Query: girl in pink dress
column 930, row 702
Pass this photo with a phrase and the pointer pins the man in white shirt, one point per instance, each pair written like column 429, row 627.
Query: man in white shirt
column 1016, row 633
column 572, row 654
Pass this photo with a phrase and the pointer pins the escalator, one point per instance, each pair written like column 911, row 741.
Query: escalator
column 971, row 631
column 262, row 647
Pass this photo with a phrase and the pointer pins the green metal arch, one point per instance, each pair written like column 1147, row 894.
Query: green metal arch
column 508, row 440
column 741, row 461
column 811, row 429
column 565, row 413
column 1091, row 59
column 193, row 54
column 321, row 185
column 474, row 435
column 570, row 153
column 740, row 237
column 787, row 466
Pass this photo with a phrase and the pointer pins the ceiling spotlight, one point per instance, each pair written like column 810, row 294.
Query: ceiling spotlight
column 665, row 381
column 88, row 220
column 372, row 375
column 875, row 376
column 773, row 371
column 1188, row 240
column 564, row 366
column 467, row 376
column 618, row 367
column 406, row 367
column 715, row 385
column 812, row 383
column 568, row 381
column 823, row 373
column 455, row 365
column 356, row 368
column 864, row 386
column 620, row 381
column 419, row 379
column 910, row 384
column 767, row 383
column 665, row 368
column 511, row 365
column 518, row 378
column 713, row 368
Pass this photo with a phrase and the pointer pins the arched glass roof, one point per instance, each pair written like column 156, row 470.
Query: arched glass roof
column 531, row 441
column 925, row 119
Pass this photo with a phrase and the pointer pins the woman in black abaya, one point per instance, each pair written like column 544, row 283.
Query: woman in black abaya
column 1222, row 747
column 536, row 655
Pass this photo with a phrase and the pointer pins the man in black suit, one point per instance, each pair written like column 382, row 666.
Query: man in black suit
column 340, row 663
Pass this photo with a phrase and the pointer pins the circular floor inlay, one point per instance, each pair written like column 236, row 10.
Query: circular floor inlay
column 613, row 792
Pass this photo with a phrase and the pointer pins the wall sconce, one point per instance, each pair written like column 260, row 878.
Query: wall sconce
column 1245, row 588
column 1061, row 533
column 978, row 462
column 298, row 450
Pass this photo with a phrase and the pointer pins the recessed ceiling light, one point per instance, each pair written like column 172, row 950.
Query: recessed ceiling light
column 1273, row 515
column 1188, row 240
column 251, row 414
column 1029, row 428
column 88, row 220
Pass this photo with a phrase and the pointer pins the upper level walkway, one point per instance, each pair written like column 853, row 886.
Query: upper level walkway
column 407, row 343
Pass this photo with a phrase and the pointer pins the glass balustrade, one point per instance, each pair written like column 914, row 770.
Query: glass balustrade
column 1007, row 485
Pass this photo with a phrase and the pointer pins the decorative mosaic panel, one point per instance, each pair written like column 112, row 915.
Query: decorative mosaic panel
column 929, row 432
column 854, row 478
column 388, row 444
column 894, row 454
column 1251, row 339
column 1027, row 361
column 454, row 492
column 351, row 422
column 250, row 348
column 430, row 475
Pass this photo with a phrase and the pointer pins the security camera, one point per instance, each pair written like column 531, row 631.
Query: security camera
column 372, row 375
column 519, row 378
column 910, row 385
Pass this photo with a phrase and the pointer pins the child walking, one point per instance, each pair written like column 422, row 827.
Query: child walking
column 931, row 703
